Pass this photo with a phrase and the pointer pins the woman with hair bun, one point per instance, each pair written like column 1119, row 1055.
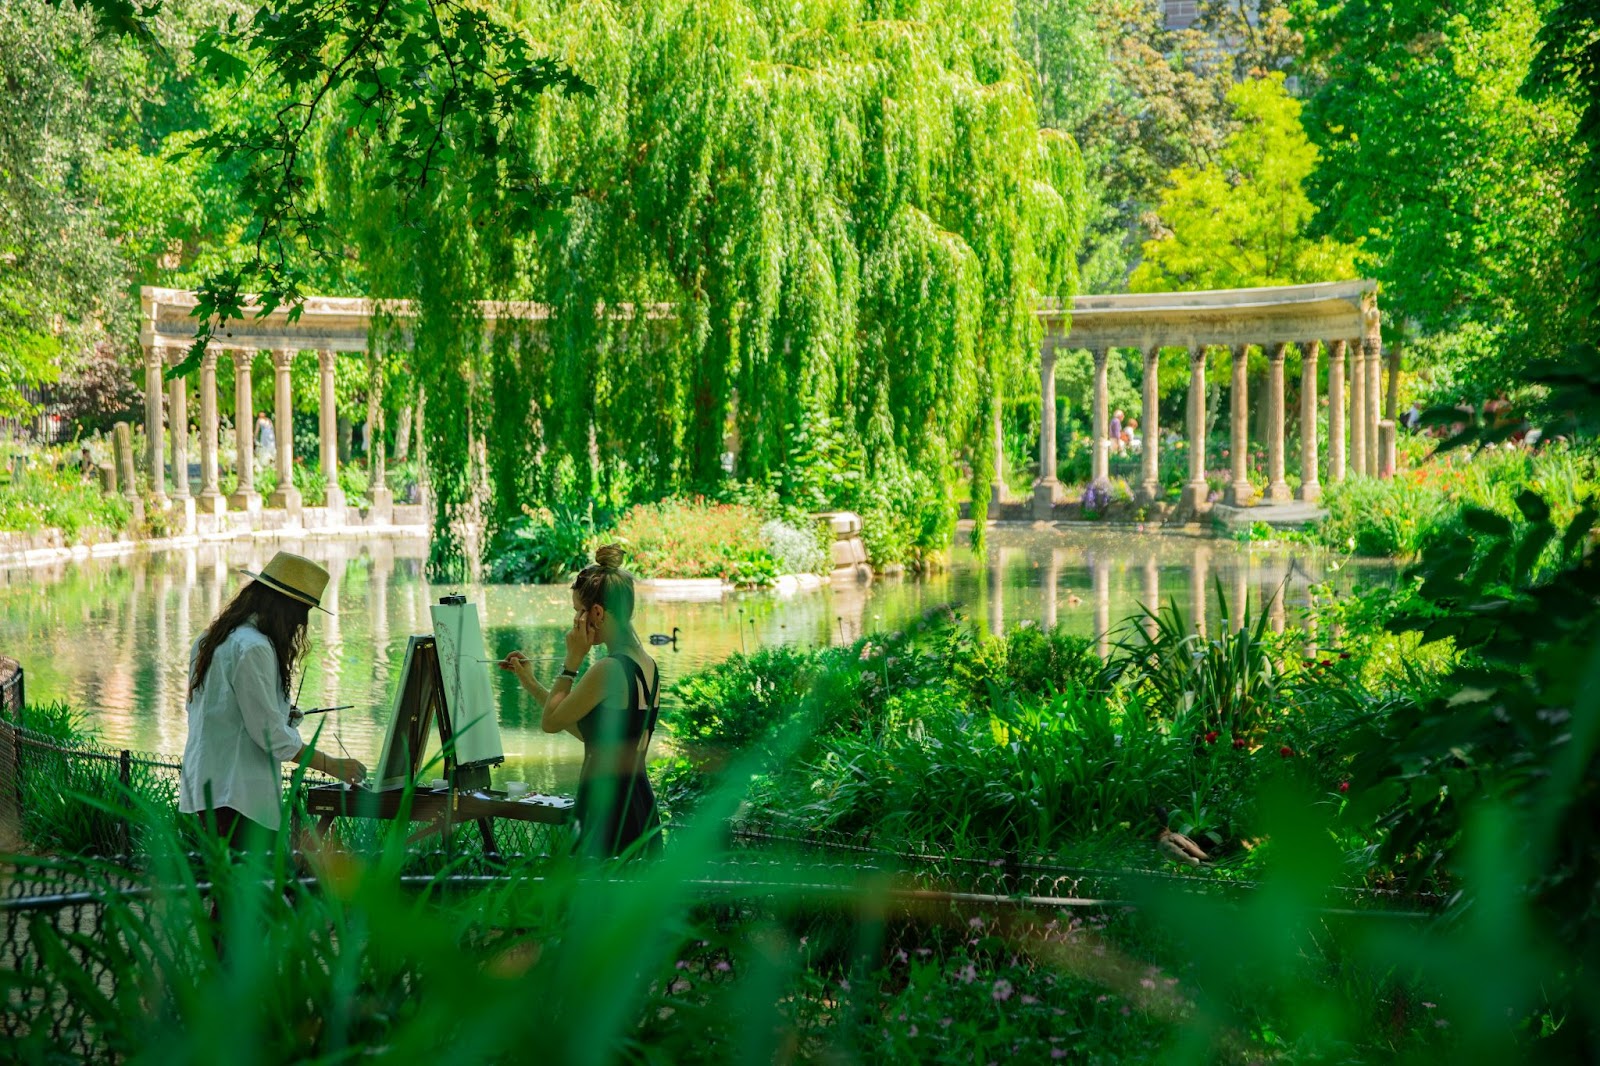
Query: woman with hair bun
column 612, row 709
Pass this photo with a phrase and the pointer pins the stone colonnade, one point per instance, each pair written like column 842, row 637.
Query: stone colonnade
column 1342, row 315
column 169, row 412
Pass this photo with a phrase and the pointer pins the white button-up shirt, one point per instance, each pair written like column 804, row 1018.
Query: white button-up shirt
column 239, row 731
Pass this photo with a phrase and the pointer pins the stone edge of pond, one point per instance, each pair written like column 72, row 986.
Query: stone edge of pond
column 45, row 546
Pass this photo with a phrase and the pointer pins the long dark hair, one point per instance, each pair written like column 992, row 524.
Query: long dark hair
column 280, row 619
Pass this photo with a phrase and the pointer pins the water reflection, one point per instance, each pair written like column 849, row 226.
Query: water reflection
column 112, row 636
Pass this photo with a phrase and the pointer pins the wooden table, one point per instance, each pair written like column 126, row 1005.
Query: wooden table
column 440, row 809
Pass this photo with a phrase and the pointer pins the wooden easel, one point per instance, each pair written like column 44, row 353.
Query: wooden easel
column 420, row 705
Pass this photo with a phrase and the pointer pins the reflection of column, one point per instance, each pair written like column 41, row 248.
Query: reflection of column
column 1102, row 604
column 1101, row 465
column 1240, row 494
column 1358, row 407
column 1045, row 489
column 1152, row 592
column 1200, row 576
column 328, row 432
column 1336, row 452
column 1150, row 487
column 1241, row 593
column 1052, row 582
column 1310, row 489
column 332, row 634
column 1277, row 609
column 211, row 501
column 1196, row 491
column 1386, row 448
column 245, row 497
column 1277, row 486
column 285, row 495
column 997, row 492
column 382, row 574
column 153, row 417
column 219, row 579
column 996, row 594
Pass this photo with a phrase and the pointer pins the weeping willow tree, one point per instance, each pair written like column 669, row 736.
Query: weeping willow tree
column 816, row 229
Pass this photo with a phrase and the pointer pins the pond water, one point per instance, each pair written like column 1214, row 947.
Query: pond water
column 111, row 636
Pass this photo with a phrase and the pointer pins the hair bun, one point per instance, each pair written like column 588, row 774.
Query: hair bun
column 610, row 556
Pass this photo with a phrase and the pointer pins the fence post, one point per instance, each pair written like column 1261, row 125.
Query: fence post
column 125, row 777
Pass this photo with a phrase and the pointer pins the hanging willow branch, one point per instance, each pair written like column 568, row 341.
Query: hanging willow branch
column 420, row 85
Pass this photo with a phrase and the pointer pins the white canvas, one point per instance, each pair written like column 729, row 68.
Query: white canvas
column 468, row 691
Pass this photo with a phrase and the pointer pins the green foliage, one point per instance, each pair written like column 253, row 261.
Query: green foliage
column 1511, row 747
column 696, row 538
column 47, row 499
column 1466, row 224
column 1242, row 221
column 1398, row 517
column 542, row 548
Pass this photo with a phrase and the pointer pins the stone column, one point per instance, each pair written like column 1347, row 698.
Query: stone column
column 1240, row 494
column 1101, row 464
column 1150, row 484
column 1386, row 448
column 382, row 512
column 1195, row 490
column 178, row 429
column 1046, row 488
column 153, row 418
column 285, row 495
column 122, row 448
column 997, row 490
column 211, row 501
column 245, row 497
column 1358, row 412
column 328, row 424
column 1310, row 489
column 1374, row 402
column 1277, row 486
column 1336, row 452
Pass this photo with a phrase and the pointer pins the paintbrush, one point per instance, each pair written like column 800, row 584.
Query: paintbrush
column 325, row 710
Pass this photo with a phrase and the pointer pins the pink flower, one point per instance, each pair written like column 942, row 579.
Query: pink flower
column 1344, row 786
column 844, row 984
column 944, row 1023
column 968, row 974
column 1058, row 1053
column 1027, row 1000
column 680, row 984
column 722, row 966
column 912, row 1032
column 1145, row 982
column 1002, row 990
column 976, row 923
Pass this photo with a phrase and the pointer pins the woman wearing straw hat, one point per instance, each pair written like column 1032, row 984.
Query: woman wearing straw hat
column 240, row 729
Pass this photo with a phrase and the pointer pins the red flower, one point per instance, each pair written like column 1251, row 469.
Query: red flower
column 1238, row 742
column 1211, row 737
column 1344, row 786
column 1286, row 751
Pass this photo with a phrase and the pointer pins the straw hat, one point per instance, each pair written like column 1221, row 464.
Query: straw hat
column 296, row 577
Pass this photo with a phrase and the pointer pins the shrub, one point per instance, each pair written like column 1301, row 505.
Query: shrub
column 541, row 548
column 796, row 549
column 686, row 538
column 49, row 499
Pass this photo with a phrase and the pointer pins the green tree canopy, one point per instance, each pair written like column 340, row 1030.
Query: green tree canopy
column 1243, row 221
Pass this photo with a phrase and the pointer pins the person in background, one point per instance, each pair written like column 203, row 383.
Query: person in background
column 266, row 439
column 1131, row 441
column 86, row 464
column 240, row 720
column 612, row 709
column 1114, row 432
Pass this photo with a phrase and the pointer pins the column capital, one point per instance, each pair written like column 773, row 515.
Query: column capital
column 1277, row 352
column 283, row 357
column 155, row 355
column 1310, row 349
column 1152, row 355
column 1197, row 356
column 1100, row 355
column 208, row 359
column 326, row 358
column 243, row 357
